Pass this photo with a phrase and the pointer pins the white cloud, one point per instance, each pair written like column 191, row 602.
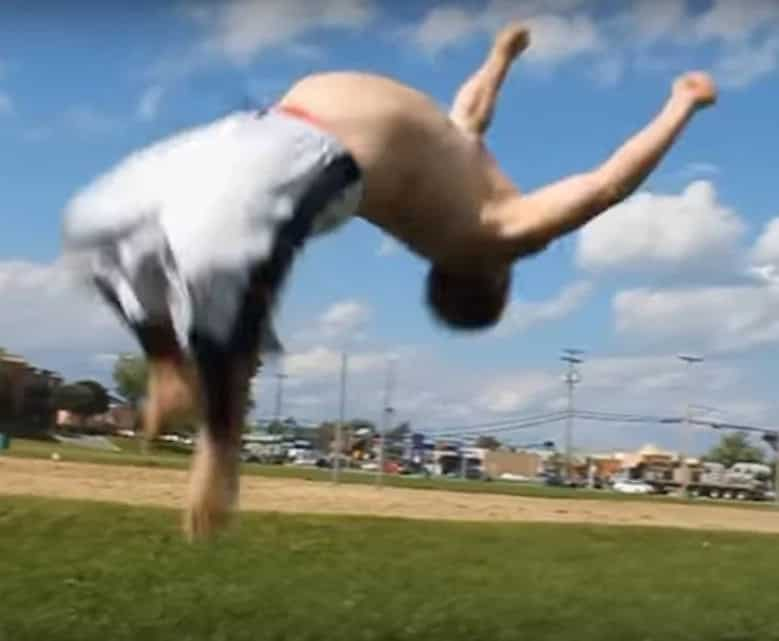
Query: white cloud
column 342, row 325
column 44, row 309
column 645, row 376
column 657, row 20
column 443, row 26
column 557, row 38
column 516, row 393
column 240, row 29
column 741, row 32
column 736, row 21
column 557, row 34
column 522, row 315
column 149, row 104
column 715, row 319
column 324, row 362
column 764, row 255
column 6, row 104
column 344, row 318
column 766, row 247
column 741, row 66
column 651, row 230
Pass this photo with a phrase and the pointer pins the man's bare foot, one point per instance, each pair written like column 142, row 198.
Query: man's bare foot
column 697, row 86
column 512, row 40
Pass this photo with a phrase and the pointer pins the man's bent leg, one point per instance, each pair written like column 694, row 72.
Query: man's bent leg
column 525, row 224
column 214, row 481
column 474, row 104
column 226, row 369
column 172, row 386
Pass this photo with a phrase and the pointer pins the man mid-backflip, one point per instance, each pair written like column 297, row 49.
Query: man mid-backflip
column 190, row 239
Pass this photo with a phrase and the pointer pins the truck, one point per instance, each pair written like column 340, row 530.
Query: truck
column 742, row 481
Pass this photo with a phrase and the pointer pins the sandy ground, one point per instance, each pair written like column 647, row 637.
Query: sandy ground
column 144, row 486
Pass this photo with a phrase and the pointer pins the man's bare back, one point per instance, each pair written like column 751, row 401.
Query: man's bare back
column 408, row 150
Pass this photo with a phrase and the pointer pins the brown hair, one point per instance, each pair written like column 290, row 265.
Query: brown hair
column 467, row 300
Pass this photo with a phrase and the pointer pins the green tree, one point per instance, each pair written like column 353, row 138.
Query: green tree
column 5, row 388
column 83, row 398
column 735, row 448
column 130, row 376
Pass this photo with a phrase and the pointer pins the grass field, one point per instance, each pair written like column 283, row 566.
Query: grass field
column 86, row 571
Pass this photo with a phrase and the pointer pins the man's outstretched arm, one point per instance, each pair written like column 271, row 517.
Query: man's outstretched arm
column 530, row 222
column 475, row 102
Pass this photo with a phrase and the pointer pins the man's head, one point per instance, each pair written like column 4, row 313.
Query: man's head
column 468, row 300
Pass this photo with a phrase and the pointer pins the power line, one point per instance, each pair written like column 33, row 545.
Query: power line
column 508, row 428
column 512, row 420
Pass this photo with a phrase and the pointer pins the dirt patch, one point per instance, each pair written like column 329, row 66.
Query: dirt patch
column 144, row 486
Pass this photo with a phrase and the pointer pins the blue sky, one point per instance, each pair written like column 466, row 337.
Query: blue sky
column 687, row 264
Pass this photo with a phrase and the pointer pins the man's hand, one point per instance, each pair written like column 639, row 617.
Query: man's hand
column 512, row 40
column 698, row 87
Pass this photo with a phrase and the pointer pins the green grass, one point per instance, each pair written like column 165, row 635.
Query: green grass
column 86, row 572
column 130, row 455
column 166, row 456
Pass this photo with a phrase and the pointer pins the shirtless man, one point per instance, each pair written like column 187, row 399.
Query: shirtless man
column 392, row 157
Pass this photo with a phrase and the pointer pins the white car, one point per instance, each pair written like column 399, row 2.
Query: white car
column 630, row 486
column 507, row 476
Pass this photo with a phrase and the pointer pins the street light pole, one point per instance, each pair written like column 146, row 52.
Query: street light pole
column 571, row 378
column 690, row 360
column 280, row 376
column 386, row 415
column 341, row 418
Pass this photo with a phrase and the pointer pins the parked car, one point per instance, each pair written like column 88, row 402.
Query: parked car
column 555, row 480
column 633, row 486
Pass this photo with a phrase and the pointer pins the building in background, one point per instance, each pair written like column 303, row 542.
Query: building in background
column 26, row 394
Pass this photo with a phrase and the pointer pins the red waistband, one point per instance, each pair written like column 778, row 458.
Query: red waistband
column 299, row 112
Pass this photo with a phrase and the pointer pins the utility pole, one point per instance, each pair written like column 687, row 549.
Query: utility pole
column 690, row 360
column 280, row 376
column 387, row 413
column 341, row 418
column 571, row 379
column 463, row 460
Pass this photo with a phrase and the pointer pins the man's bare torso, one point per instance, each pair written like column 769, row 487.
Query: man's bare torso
column 426, row 182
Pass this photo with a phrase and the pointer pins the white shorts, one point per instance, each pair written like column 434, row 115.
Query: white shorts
column 188, row 230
